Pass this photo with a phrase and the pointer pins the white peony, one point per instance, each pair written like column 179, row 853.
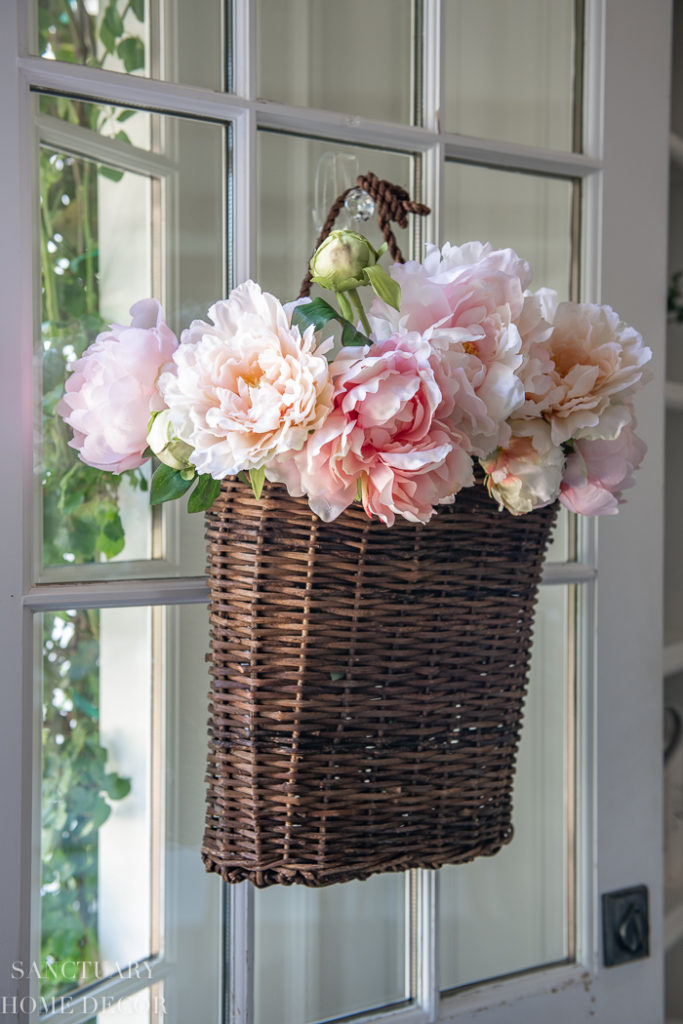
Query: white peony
column 247, row 387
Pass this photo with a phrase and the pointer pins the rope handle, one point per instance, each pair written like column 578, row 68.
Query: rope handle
column 392, row 203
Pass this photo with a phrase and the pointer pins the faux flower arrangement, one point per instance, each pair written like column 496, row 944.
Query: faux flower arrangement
column 456, row 360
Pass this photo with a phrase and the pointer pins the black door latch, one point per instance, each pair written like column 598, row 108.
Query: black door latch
column 625, row 925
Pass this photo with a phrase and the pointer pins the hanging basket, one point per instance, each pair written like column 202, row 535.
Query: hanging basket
column 368, row 685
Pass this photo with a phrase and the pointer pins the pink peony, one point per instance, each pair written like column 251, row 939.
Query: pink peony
column 247, row 387
column 593, row 363
column 598, row 471
column 112, row 390
column 386, row 437
column 526, row 474
column 537, row 372
column 466, row 299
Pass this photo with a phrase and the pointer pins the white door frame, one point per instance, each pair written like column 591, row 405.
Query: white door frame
column 619, row 711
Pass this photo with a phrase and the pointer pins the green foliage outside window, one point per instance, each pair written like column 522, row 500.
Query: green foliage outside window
column 80, row 505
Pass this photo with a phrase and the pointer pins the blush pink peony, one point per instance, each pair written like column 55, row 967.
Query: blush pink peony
column 537, row 372
column 112, row 390
column 598, row 471
column 527, row 473
column 247, row 387
column 597, row 361
column 388, row 437
column 466, row 299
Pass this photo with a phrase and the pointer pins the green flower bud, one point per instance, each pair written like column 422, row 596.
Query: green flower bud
column 167, row 447
column 339, row 262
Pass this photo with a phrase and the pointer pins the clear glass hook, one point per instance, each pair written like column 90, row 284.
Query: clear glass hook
column 335, row 173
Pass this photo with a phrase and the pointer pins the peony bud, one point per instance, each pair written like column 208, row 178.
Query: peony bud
column 340, row 261
column 166, row 445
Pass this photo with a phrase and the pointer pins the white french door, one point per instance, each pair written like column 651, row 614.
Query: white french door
column 176, row 149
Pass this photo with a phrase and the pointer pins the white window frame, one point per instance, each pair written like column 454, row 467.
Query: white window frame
column 608, row 23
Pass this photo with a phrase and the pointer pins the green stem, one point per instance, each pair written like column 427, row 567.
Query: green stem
column 355, row 298
column 345, row 307
column 51, row 302
column 90, row 286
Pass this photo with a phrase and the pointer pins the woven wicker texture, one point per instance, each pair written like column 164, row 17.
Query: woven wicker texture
column 367, row 685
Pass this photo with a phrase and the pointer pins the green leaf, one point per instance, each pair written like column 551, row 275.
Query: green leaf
column 138, row 9
column 123, row 137
column 116, row 786
column 244, row 477
column 204, row 494
column 384, row 286
column 111, row 539
column 316, row 313
column 99, row 815
column 113, row 20
column 382, row 249
column 110, row 172
column 257, row 479
column 124, row 115
column 108, row 38
column 84, row 705
column 132, row 53
column 350, row 336
column 167, row 484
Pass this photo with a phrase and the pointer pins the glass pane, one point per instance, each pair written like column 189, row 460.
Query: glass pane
column 673, row 539
column 330, row 952
column 673, row 843
column 299, row 179
column 98, row 802
column 528, row 213
column 194, row 898
column 558, row 551
column 355, row 57
column 674, row 347
column 674, row 352
column 120, row 220
column 510, row 912
column 673, row 794
column 145, row 1007
column 102, row 846
column 118, row 35
column 509, row 72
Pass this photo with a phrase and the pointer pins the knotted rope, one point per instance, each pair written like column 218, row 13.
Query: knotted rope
column 392, row 203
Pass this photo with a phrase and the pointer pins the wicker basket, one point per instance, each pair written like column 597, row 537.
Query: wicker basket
column 367, row 685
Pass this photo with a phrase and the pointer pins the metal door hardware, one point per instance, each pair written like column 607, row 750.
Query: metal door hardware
column 625, row 925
